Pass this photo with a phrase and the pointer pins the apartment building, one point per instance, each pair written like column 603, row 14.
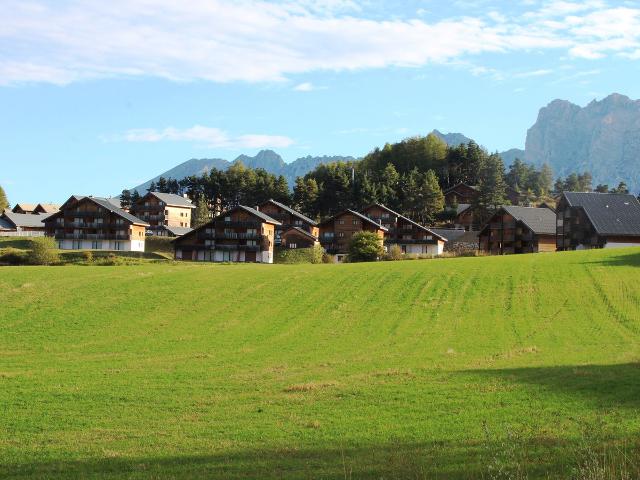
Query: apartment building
column 336, row 232
column 162, row 210
column 289, row 219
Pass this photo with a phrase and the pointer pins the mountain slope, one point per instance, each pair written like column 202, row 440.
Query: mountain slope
column 603, row 138
column 266, row 159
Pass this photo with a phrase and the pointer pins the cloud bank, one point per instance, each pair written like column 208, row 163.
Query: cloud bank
column 262, row 41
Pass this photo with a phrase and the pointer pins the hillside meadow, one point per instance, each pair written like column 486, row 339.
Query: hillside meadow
column 494, row 367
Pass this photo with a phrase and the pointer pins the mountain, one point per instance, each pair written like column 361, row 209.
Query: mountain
column 455, row 139
column 602, row 137
column 266, row 159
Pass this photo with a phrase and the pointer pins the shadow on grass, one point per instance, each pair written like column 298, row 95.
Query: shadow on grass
column 622, row 258
column 612, row 386
column 538, row 458
column 20, row 243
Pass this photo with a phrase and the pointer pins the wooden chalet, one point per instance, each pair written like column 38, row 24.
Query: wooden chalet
column 289, row 219
column 412, row 237
column 336, row 232
column 597, row 220
column 514, row 229
column 95, row 223
column 461, row 193
column 22, row 224
column 296, row 237
column 163, row 210
column 241, row 234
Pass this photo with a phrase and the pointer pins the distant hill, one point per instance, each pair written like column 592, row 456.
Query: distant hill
column 267, row 159
column 603, row 138
column 455, row 139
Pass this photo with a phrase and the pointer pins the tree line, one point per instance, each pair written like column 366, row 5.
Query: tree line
column 409, row 176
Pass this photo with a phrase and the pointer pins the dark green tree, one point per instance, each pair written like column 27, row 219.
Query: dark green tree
column 365, row 247
column 201, row 212
column 431, row 198
column 491, row 187
column 125, row 199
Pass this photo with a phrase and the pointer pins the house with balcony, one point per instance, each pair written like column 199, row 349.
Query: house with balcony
column 289, row 219
column 297, row 237
column 163, row 210
column 241, row 234
column 94, row 223
column 412, row 237
column 515, row 229
column 336, row 232
column 597, row 220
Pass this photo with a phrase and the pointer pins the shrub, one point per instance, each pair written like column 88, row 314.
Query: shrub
column 88, row 256
column 13, row 256
column 44, row 251
column 299, row 255
column 365, row 247
column 395, row 253
column 328, row 258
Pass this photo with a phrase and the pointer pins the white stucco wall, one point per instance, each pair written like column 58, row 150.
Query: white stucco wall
column 620, row 245
column 107, row 245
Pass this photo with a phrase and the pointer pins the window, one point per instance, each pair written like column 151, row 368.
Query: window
column 429, row 237
column 293, row 245
column 356, row 221
column 96, row 245
column 251, row 243
column 118, row 245
column 341, row 234
column 385, row 215
column 252, row 231
column 166, row 213
column 341, row 221
column 227, row 219
column 298, row 223
column 77, row 244
column 166, row 222
column 60, row 244
column 226, row 256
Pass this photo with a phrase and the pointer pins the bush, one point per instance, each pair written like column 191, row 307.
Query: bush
column 44, row 251
column 88, row 256
column 365, row 247
column 328, row 258
column 299, row 255
column 13, row 256
column 395, row 253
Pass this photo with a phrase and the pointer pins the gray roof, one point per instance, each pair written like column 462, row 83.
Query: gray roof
column 450, row 234
column 30, row 220
column 462, row 207
column 610, row 213
column 539, row 220
column 173, row 200
column 292, row 212
column 108, row 204
column 178, row 231
column 407, row 219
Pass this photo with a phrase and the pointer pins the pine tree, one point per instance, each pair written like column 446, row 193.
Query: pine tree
column 152, row 187
column 432, row 198
column 135, row 196
column 281, row 191
column 163, row 185
column 545, row 180
column 4, row 203
column 201, row 213
column 492, row 187
column 125, row 199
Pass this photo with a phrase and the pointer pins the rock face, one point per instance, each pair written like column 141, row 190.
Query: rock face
column 603, row 138
column 266, row 159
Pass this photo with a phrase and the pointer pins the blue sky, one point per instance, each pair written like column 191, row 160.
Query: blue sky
column 98, row 96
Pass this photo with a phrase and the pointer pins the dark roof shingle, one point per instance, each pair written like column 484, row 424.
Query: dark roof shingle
column 541, row 221
column 292, row 211
column 173, row 200
column 610, row 213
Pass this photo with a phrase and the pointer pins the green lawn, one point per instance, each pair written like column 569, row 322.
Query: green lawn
column 495, row 367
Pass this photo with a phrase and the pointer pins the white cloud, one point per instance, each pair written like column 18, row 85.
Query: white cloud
column 307, row 87
column 269, row 40
column 208, row 136
column 534, row 73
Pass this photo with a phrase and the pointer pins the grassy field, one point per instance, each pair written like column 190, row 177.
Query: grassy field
column 499, row 367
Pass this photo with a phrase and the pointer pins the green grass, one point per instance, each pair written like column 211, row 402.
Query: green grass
column 495, row 367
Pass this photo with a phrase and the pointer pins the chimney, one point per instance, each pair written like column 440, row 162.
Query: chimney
column 185, row 195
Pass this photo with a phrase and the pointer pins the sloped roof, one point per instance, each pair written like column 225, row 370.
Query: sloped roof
column 266, row 218
column 462, row 207
column 49, row 207
column 291, row 211
column 22, row 220
column 173, row 200
column 449, row 234
column 541, row 221
column 25, row 207
column 406, row 219
column 300, row 231
column 609, row 213
column 108, row 204
column 473, row 187
column 178, row 231
column 357, row 214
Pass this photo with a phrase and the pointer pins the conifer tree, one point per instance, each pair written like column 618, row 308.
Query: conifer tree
column 432, row 198
column 201, row 213
column 4, row 203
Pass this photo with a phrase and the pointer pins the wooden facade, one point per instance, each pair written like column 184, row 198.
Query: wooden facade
column 459, row 194
column 162, row 210
column 242, row 234
column 288, row 218
column 412, row 237
column 296, row 237
column 336, row 232
column 513, row 230
column 597, row 220
column 93, row 223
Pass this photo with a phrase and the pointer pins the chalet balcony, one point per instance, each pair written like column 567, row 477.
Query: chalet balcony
column 85, row 213
column 249, row 248
column 90, row 236
column 204, row 235
column 243, row 224
column 149, row 208
column 411, row 241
